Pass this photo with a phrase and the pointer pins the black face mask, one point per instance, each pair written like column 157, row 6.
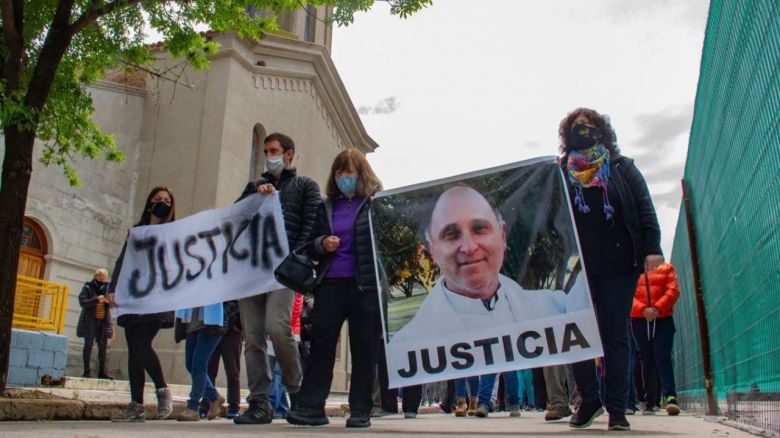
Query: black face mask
column 160, row 209
column 583, row 137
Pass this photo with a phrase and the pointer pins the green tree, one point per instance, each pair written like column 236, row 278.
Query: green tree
column 51, row 49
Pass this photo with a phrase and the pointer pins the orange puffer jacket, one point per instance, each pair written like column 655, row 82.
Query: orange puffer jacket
column 664, row 292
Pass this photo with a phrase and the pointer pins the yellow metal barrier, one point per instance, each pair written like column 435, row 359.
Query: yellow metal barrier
column 39, row 304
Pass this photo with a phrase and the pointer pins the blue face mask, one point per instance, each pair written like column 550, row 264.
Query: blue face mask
column 347, row 184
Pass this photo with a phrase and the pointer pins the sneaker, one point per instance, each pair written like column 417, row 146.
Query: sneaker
column 254, row 414
column 515, row 410
column 87, row 374
column 358, row 421
column 303, row 417
column 188, row 415
column 232, row 413
column 482, row 410
column 649, row 410
column 410, row 415
column 164, row 403
column 379, row 412
column 203, row 408
column 588, row 411
column 618, row 422
column 215, row 408
column 672, row 408
column 555, row 414
column 134, row 413
column 630, row 411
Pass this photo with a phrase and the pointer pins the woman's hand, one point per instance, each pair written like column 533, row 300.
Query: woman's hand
column 650, row 313
column 109, row 298
column 266, row 189
column 653, row 261
column 330, row 243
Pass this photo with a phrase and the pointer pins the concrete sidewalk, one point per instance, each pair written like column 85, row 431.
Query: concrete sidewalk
column 529, row 425
column 89, row 400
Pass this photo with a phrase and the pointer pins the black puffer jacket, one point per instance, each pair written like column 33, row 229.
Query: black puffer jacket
column 300, row 196
column 365, row 274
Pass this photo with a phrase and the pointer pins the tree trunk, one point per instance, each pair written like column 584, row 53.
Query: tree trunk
column 17, row 169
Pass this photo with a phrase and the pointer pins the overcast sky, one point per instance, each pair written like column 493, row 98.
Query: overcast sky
column 456, row 88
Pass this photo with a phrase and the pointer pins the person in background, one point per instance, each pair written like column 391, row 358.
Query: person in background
column 205, row 327
column 140, row 330
column 555, row 377
column 229, row 349
column 652, row 325
column 619, row 236
column 95, row 322
column 487, row 383
column 348, row 291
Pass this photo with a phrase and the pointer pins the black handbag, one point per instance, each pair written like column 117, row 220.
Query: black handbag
column 299, row 272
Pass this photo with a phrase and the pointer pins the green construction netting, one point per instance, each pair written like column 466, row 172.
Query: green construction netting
column 733, row 174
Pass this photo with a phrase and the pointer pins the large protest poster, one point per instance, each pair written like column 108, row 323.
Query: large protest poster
column 481, row 273
column 209, row 257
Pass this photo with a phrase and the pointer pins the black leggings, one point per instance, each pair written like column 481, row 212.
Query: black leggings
column 141, row 356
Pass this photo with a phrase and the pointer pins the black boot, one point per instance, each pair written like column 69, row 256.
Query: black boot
column 257, row 413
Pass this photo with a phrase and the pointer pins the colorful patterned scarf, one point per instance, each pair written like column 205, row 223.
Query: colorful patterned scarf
column 589, row 168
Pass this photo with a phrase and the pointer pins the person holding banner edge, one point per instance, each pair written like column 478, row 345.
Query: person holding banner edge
column 140, row 330
column 619, row 236
column 348, row 291
column 269, row 314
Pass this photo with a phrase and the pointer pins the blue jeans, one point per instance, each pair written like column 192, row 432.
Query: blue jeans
column 197, row 351
column 525, row 385
column 656, row 357
column 460, row 387
column 278, row 395
column 511, row 388
column 612, row 297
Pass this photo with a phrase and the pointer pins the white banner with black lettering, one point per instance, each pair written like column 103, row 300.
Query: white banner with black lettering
column 209, row 257
column 481, row 273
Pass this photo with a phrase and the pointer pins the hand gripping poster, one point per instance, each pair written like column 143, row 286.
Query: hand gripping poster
column 481, row 273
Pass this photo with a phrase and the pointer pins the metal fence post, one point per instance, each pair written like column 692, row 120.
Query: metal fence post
column 704, row 337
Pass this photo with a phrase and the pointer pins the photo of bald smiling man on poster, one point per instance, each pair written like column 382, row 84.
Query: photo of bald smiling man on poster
column 467, row 239
column 481, row 273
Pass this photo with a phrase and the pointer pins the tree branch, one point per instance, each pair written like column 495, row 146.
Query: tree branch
column 13, row 28
column 92, row 14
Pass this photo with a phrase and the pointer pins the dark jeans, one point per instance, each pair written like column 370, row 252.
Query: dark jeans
column 473, row 387
column 198, row 349
column 511, row 388
column 540, row 389
column 98, row 335
column 656, row 357
column 388, row 398
column 142, row 357
column 337, row 300
column 631, row 401
column 229, row 349
column 412, row 395
column 612, row 297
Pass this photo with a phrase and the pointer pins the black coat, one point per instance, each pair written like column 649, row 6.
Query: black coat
column 300, row 196
column 365, row 273
column 88, row 300
column 166, row 318
column 636, row 208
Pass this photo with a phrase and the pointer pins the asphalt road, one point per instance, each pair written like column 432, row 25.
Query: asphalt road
column 531, row 424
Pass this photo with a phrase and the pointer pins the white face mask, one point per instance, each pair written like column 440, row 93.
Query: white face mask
column 275, row 164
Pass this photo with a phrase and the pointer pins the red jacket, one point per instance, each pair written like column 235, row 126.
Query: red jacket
column 295, row 315
column 664, row 292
